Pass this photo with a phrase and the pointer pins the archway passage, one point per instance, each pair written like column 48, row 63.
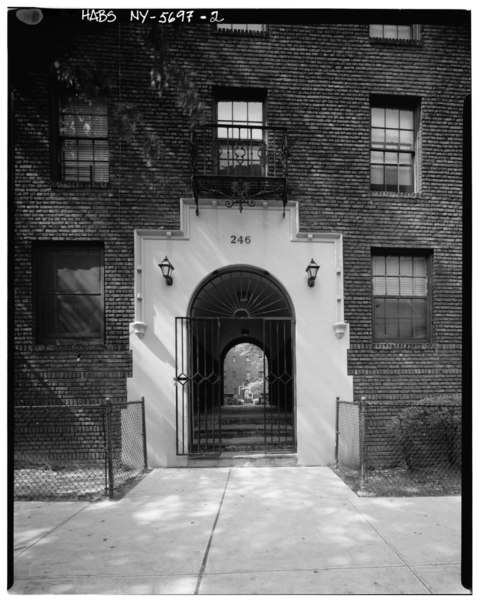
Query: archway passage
column 233, row 309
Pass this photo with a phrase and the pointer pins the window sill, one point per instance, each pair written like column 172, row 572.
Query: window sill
column 403, row 345
column 79, row 185
column 245, row 34
column 69, row 346
column 375, row 194
column 394, row 42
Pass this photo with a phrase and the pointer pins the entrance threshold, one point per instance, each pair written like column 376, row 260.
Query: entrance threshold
column 241, row 459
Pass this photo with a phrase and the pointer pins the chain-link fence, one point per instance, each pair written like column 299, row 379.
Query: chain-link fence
column 77, row 451
column 127, row 464
column 407, row 448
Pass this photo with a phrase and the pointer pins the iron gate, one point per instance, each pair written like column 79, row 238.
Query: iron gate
column 201, row 421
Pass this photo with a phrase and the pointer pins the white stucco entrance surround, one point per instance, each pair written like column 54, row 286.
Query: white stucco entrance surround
column 261, row 237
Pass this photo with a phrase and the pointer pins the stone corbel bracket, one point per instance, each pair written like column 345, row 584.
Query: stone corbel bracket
column 340, row 328
column 139, row 328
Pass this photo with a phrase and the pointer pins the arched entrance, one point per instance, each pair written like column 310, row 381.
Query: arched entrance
column 232, row 307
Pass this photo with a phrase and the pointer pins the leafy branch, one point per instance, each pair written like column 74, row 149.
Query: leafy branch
column 88, row 82
column 166, row 73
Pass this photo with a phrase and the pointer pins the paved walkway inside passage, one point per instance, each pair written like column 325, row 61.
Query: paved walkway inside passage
column 286, row 530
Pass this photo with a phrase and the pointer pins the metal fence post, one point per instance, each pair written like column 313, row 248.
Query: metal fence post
column 109, row 448
column 362, row 441
column 144, row 443
column 337, row 428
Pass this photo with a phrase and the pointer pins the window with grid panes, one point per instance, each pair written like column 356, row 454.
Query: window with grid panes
column 70, row 296
column 83, row 139
column 243, row 28
column 394, row 32
column 401, row 297
column 393, row 149
column 240, row 137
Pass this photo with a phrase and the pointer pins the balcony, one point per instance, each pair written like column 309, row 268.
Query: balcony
column 240, row 163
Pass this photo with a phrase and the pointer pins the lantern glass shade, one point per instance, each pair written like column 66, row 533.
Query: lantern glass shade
column 312, row 270
column 166, row 268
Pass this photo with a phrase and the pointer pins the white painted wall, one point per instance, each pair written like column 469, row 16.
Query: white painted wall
column 276, row 245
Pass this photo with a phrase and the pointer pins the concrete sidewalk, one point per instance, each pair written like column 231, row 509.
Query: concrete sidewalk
column 287, row 530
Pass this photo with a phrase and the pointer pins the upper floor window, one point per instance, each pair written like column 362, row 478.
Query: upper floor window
column 401, row 297
column 70, row 296
column 242, row 28
column 240, row 133
column 393, row 148
column 394, row 32
column 83, row 146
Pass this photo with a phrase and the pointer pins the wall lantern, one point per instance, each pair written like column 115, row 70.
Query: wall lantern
column 312, row 270
column 166, row 268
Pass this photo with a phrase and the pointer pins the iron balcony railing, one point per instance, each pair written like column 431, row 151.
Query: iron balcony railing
column 239, row 163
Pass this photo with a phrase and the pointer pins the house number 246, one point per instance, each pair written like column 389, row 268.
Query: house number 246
column 240, row 239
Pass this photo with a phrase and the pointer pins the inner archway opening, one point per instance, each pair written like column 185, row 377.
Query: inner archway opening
column 245, row 397
column 245, row 372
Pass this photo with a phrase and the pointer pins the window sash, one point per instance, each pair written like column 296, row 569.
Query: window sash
column 392, row 152
column 240, row 137
column 401, row 306
column 403, row 319
column 83, row 140
column 245, row 28
column 70, row 295
column 393, row 32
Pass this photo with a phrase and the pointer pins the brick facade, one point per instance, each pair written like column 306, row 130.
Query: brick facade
column 319, row 80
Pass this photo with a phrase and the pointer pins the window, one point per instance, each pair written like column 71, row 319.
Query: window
column 395, row 32
column 242, row 28
column 401, row 297
column 70, row 297
column 393, row 148
column 83, row 147
column 248, row 375
column 240, row 133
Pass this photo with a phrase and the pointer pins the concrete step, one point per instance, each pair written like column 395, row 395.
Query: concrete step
column 244, row 419
column 238, row 459
column 247, row 434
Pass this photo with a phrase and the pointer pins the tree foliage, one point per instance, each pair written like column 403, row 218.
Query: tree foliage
column 167, row 73
column 89, row 80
